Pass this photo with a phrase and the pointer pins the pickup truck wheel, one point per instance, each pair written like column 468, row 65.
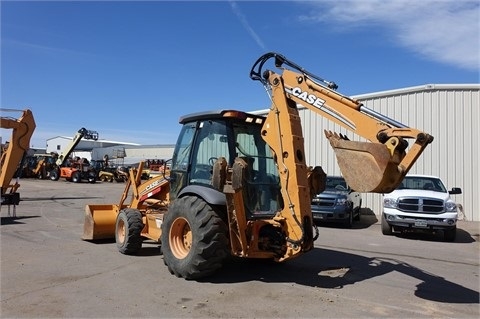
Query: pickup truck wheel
column 450, row 234
column 386, row 228
column 349, row 222
column 357, row 214
column 128, row 229
column 194, row 238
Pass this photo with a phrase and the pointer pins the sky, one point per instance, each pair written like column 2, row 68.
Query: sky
column 130, row 69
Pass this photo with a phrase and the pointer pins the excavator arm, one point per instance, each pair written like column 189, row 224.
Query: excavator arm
column 19, row 143
column 376, row 166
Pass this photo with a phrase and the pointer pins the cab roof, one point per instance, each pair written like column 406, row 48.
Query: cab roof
column 217, row 114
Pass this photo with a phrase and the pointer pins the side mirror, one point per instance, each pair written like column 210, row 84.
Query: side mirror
column 455, row 191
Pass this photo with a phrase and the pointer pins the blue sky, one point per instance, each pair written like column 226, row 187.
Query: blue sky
column 129, row 70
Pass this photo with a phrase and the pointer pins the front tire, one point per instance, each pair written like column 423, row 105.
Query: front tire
column 92, row 178
column 194, row 238
column 128, row 229
column 76, row 178
column 358, row 211
column 349, row 221
column 386, row 228
column 54, row 174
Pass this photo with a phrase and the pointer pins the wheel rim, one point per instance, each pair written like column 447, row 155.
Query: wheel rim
column 121, row 231
column 180, row 238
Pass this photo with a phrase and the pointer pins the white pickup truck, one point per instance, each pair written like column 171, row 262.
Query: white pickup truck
column 423, row 203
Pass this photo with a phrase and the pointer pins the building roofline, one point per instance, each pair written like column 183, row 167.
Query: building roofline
column 60, row 136
column 419, row 88
column 97, row 141
column 114, row 142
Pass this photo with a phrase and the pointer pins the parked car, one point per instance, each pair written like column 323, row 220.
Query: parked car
column 421, row 202
column 337, row 203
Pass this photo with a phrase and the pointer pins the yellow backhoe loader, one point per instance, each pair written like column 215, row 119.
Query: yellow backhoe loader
column 19, row 143
column 239, row 184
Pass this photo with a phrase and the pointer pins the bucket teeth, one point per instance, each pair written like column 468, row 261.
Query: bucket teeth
column 335, row 135
column 344, row 137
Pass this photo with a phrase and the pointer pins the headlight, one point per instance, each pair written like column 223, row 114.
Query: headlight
column 450, row 206
column 389, row 202
column 342, row 201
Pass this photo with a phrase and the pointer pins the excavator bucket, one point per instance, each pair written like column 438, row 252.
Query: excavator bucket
column 100, row 221
column 367, row 167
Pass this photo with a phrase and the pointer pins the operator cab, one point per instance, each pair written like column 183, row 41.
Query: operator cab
column 207, row 136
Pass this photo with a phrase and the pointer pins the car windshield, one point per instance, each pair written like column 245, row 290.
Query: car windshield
column 336, row 184
column 424, row 183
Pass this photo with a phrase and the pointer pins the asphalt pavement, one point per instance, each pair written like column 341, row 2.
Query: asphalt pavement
column 47, row 271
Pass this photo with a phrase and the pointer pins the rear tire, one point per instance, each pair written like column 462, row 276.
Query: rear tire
column 194, row 238
column 128, row 229
column 386, row 228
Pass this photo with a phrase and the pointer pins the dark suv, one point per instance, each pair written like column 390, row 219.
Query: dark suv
column 337, row 203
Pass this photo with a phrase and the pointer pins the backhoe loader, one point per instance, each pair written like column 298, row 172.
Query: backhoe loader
column 239, row 185
column 19, row 143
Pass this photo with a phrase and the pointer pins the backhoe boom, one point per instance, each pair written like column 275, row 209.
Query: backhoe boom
column 376, row 166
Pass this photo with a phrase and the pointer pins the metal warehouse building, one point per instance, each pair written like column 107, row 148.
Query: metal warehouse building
column 451, row 113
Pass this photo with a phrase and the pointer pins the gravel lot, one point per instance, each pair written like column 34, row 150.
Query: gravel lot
column 47, row 271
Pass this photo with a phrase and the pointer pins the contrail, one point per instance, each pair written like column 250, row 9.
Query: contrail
column 246, row 25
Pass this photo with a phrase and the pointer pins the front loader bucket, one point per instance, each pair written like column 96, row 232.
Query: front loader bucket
column 367, row 167
column 100, row 221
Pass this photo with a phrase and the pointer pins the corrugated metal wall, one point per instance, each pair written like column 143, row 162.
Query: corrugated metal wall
column 451, row 113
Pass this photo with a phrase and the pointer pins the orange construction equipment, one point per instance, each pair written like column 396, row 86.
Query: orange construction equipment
column 239, row 185
column 79, row 169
